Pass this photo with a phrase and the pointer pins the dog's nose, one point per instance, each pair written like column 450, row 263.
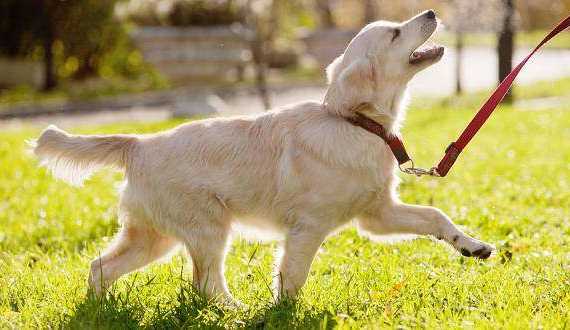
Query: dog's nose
column 430, row 14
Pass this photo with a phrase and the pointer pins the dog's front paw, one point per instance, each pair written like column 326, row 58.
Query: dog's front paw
column 470, row 247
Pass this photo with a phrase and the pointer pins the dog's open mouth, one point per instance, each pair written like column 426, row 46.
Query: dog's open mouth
column 426, row 53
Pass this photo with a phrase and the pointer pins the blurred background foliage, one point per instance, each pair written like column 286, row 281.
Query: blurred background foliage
column 81, row 40
column 85, row 39
column 180, row 12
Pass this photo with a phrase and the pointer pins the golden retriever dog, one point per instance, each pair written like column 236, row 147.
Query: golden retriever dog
column 301, row 172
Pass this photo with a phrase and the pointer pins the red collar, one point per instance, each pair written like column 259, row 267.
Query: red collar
column 393, row 141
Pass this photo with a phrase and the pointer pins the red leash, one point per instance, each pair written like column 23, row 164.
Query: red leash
column 455, row 148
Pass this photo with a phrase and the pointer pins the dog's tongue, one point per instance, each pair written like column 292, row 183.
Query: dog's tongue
column 425, row 54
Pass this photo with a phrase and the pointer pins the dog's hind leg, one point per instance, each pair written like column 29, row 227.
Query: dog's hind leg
column 400, row 218
column 135, row 246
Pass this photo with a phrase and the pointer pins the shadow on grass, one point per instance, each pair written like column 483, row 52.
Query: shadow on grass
column 112, row 312
column 290, row 315
column 123, row 311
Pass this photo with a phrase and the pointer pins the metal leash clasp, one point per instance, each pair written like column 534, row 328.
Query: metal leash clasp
column 417, row 171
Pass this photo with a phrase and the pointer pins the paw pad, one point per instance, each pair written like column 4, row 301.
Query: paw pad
column 482, row 253
column 465, row 252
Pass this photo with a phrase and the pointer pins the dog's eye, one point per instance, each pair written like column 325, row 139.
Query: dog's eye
column 395, row 34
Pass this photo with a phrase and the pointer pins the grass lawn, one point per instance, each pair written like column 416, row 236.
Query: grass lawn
column 511, row 187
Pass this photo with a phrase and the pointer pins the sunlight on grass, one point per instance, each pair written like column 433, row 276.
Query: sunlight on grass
column 510, row 187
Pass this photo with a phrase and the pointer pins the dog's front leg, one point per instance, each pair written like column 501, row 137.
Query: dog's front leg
column 400, row 218
column 299, row 249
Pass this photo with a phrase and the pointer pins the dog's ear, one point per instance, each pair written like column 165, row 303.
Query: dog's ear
column 349, row 86
column 333, row 69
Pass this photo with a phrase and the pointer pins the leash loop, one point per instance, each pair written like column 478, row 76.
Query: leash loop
column 417, row 171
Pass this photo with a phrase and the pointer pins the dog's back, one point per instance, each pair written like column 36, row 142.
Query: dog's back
column 244, row 160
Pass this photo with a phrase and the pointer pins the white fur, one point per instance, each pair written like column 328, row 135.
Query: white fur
column 302, row 172
column 73, row 158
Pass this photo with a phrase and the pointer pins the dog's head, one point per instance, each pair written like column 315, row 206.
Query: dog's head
column 379, row 62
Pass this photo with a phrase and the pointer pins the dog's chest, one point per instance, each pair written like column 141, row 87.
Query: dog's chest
column 326, row 184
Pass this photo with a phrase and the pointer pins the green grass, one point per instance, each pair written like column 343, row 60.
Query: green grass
column 511, row 187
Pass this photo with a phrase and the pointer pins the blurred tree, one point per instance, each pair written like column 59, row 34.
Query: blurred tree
column 325, row 14
column 541, row 14
column 396, row 10
column 47, row 36
column 262, row 16
column 18, row 27
column 532, row 14
column 85, row 29
column 465, row 16
column 505, row 44
column 459, row 32
column 370, row 11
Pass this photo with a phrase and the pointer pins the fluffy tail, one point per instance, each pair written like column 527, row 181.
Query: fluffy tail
column 74, row 158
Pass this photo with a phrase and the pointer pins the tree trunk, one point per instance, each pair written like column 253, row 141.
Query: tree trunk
column 370, row 11
column 86, row 68
column 325, row 14
column 50, row 80
column 505, row 45
column 458, row 61
column 260, row 63
column 258, row 46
